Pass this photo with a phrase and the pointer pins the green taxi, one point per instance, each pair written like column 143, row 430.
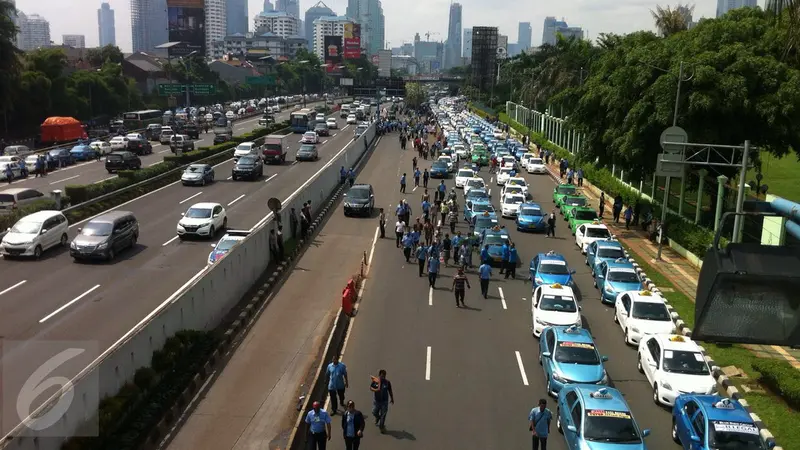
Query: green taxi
column 480, row 155
column 561, row 191
column 580, row 215
column 571, row 201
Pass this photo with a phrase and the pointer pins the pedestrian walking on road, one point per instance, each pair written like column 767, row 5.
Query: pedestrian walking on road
column 422, row 256
column 279, row 241
column 447, row 246
column 580, row 177
column 433, row 268
column 382, row 397
column 417, row 174
column 337, row 383
column 399, row 228
column 403, row 184
column 628, row 217
column 551, row 224
column 382, row 223
column 511, row 264
column 408, row 245
column 425, row 177
column 303, row 226
column 617, row 209
column 460, row 281
column 485, row 271
column 353, row 425
column 504, row 263
column 540, row 418
column 319, row 422
column 602, row 203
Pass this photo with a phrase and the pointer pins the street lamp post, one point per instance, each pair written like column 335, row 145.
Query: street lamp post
column 188, row 75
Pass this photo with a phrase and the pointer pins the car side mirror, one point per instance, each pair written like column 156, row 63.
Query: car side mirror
column 546, row 354
column 604, row 358
column 646, row 432
column 572, row 272
column 572, row 428
column 213, row 245
column 600, row 276
column 43, row 231
column 580, row 308
column 613, row 236
column 215, row 216
column 183, row 214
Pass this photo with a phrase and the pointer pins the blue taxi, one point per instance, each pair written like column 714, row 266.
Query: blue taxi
column 603, row 250
column 83, row 153
column 224, row 246
column 705, row 422
column 550, row 268
column 604, row 420
column 615, row 277
column 495, row 238
column 478, row 208
column 531, row 217
column 568, row 355
column 484, row 222
column 439, row 169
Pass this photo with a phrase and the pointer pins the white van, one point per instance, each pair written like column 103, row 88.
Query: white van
column 35, row 233
column 11, row 199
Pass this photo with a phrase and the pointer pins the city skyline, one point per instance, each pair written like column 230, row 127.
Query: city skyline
column 620, row 17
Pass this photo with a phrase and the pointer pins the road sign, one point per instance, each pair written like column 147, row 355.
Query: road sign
column 265, row 80
column 669, row 165
column 166, row 90
column 204, row 89
column 674, row 135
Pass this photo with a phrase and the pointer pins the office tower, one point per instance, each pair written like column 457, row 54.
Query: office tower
column 326, row 26
column 453, row 49
column 105, row 25
column 292, row 7
column 319, row 10
column 236, row 17
column 407, row 49
column 279, row 23
column 554, row 27
column 484, row 56
column 502, row 46
column 74, row 40
column 268, row 6
column 148, row 24
column 723, row 6
column 34, row 31
column 216, row 23
column 368, row 14
column 524, row 34
column 467, row 43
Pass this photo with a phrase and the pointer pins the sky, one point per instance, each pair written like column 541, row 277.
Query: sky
column 403, row 17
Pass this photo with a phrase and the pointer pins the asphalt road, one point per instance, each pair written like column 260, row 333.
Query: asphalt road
column 64, row 301
column 467, row 377
column 95, row 171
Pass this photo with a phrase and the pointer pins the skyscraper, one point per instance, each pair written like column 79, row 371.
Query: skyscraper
column 291, row 7
column 326, row 26
column 452, row 52
column 105, row 25
column 236, row 16
column 317, row 11
column 34, row 32
column 723, row 6
column 524, row 35
column 148, row 24
column 268, row 6
column 554, row 27
column 216, row 23
column 484, row 56
column 467, row 45
column 74, row 40
column 368, row 14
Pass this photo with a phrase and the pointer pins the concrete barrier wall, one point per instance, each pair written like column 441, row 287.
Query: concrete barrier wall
column 200, row 304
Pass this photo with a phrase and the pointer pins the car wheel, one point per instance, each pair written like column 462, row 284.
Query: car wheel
column 675, row 432
column 548, row 387
column 134, row 239
column 212, row 232
column 37, row 252
column 225, row 223
column 627, row 337
column 616, row 319
column 639, row 364
column 655, row 394
column 586, row 260
column 64, row 240
column 111, row 254
column 594, row 282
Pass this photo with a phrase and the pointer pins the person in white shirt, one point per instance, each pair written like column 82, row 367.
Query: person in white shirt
column 399, row 228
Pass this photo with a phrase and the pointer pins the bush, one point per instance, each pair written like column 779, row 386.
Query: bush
column 8, row 220
column 780, row 377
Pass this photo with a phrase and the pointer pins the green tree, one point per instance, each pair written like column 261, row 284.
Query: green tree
column 99, row 56
column 9, row 55
column 670, row 20
column 415, row 94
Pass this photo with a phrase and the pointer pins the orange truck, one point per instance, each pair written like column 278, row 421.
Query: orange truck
column 62, row 129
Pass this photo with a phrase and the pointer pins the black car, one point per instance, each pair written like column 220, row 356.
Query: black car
column 322, row 129
column 307, row 152
column 248, row 167
column 140, row 147
column 221, row 138
column 62, row 157
column 191, row 130
column 122, row 161
column 104, row 236
column 359, row 200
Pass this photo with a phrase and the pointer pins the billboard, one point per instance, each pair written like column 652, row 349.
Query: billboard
column 352, row 30
column 333, row 52
column 352, row 48
column 186, row 23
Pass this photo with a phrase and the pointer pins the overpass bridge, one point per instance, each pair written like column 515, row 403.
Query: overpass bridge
column 434, row 78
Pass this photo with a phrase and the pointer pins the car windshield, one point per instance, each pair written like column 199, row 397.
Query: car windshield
column 495, row 239
column 226, row 244
column 321, row 126
column 600, row 233
column 566, row 190
column 535, row 161
column 514, row 200
column 585, row 215
column 686, row 362
column 531, row 212
column 484, row 222
column 553, row 268
column 610, row 253
column 506, row 171
column 623, row 276
column 610, row 426
column 25, row 227
column 577, row 353
column 650, row 311
column 558, row 303
column 475, row 194
column 310, row 134
column 194, row 168
column 307, row 148
column 113, row 157
column 725, row 435
column 465, row 173
column 244, row 147
column 439, row 165
column 575, row 201
column 358, row 193
column 97, row 229
column 514, row 190
column 198, row 213
column 247, row 160
column 482, row 207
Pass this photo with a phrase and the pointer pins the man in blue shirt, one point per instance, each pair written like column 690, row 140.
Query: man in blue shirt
column 319, row 422
column 485, row 271
column 403, row 183
column 417, row 173
column 408, row 245
column 504, row 263
column 426, row 209
column 337, row 383
column 433, row 269
column 511, row 267
column 441, row 190
column 540, row 418
column 353, row 424
column 485, row 254
column 382, row 396
column 422, row 255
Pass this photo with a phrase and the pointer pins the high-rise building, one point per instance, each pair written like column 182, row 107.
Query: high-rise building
column 268, row 6
column 34, row 32
column 429, row 55
column 74, row 40
column 326, row 26
column 319, row 10
column 368, row 14
column 279, row 23
column 554, row 27
column 452, row 51
column 723, row 6
column 236, row 16
column 216, row 23
column 407, row 49
column 105, row 25
column 502, row 46
column 467, row 44
column 148, row 24
column 524, row 35
column 484, row 56
column 292, row 7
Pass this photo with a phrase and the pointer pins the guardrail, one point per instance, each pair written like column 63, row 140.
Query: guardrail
column 200, row 304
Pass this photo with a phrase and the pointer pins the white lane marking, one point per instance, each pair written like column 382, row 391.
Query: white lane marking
column 345, row 127
column 415, row 188
column 374, row 241
column 521, row 368
column 104, row 179
column 491, row 179
column 65, row 179
column 490, row 192
column 169, row 241
column 270, row 177
column 430, row 297
column 189, row 198
column 155, row 163
column 68, row 304
column 236, row 200
column 163, row 151
column 502, row 297
column 9, row 289
column 428, row 365
column 229, row 178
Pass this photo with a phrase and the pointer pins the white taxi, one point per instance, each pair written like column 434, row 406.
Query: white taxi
column 523, row 160
column 674, row 365
column 460, row 151
column 509, row 205
column 451, row 166
column 499, row 134
column 535, row 165
column 640, row 314
column 509, row 161
column 503, row 175
column 202, row 220
column 509, row 189
column 517, row 181
column 590, row 232
column 554, row 305
column 474, row 183
column 331, row 123
column 119, row 142
column 101, row 147
column 463, row 176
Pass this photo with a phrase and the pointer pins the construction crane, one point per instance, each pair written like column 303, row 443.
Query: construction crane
column 428, row 35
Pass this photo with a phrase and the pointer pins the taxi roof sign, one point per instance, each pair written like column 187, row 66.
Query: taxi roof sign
column 620, row 260
column 725, row 403
column 572, row 329
column 677, row 338
column 595, row 222
column 551, row 253
column 486, row 213
column 556, row 286
column 601, row 393
column 645, row 293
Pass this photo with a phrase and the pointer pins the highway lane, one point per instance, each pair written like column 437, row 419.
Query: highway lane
column 482, row 377
column 62, row 300
column 95, row 171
